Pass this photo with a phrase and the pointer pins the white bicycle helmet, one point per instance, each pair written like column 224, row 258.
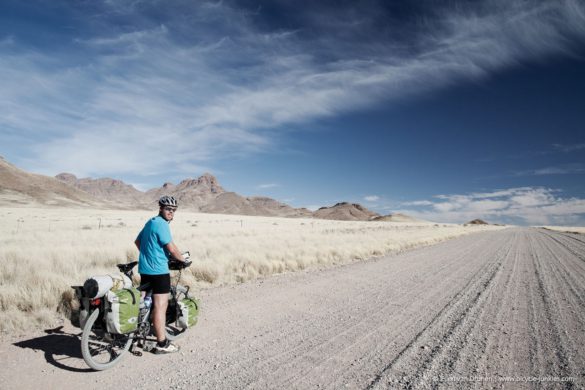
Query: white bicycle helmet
column 168, row 201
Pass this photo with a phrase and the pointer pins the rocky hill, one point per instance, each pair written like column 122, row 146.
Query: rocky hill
column 477, row 222
column 345, row 211
column 191, row 193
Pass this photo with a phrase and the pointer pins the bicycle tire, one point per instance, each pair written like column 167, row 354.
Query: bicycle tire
column 100, row 349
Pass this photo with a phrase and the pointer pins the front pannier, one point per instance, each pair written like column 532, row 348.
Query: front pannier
column 122, row 310
column 188, row 311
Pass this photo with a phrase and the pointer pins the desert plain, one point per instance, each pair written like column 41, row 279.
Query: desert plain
column 306, row 303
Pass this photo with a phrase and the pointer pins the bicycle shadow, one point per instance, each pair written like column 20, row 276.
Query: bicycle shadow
column 59, row 347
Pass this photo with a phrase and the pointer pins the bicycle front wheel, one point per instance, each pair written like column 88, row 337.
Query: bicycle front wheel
column 102, row 350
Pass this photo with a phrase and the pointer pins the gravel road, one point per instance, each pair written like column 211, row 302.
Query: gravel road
column 502, row 309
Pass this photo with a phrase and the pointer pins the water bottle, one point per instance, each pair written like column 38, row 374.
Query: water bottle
column 144, row 306
column 147, row 301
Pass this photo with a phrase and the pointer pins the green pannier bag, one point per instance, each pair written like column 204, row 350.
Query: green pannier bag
column 122, row 310
column 188, row 311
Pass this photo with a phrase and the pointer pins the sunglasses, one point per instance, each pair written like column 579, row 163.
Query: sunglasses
column 170, row 209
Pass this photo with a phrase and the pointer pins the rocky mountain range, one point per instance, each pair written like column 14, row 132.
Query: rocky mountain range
column 204, row 194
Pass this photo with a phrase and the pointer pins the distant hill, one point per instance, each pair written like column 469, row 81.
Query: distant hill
column 477, row 222
column 346, row 212
column 18, row 187
column 397, row 217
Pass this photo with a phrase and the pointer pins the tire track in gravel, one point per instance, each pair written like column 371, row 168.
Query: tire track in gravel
column 566, row 241
column 375, row 320
column 578, row 237
column 570, row 273
column 380, row 317
column 558, row 347
column 563, row 314
column 496, row 332
column 459, row 355
column 497, row 325
column 443, row 328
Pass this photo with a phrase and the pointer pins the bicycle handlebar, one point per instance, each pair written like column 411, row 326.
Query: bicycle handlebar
column 176, row 265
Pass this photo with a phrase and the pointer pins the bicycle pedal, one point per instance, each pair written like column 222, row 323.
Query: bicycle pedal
column 148, row 346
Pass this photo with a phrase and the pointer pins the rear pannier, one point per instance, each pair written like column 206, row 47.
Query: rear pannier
column 188, row 311
column 80, row 312
column 122, row 308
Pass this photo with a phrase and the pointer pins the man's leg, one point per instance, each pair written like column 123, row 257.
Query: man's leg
column 160, row 298
column 161, row 301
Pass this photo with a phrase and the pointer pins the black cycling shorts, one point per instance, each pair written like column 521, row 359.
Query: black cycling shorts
column 159, row 284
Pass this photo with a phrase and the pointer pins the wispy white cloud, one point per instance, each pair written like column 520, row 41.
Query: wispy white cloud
column 524, row 205
column 267, row 185
column 143, row 102
column 417, row 203
column 371, row 198
column 567, row 169
column 568, row 148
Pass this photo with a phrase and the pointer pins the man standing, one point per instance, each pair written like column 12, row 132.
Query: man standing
column 156, row 246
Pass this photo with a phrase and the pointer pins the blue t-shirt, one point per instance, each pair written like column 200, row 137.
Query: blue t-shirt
column 153, row 237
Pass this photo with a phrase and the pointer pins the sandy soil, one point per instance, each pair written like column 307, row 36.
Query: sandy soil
column 501, row 309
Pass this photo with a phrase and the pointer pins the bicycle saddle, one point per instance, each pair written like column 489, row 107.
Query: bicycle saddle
column 126, row 267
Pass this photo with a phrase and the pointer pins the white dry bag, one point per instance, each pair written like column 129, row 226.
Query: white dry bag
column 98, row 286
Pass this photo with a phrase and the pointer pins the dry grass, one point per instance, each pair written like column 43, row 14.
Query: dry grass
column 44, row 251
column 569, row 229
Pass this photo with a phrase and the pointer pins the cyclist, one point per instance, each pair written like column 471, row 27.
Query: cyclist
column 156, row 246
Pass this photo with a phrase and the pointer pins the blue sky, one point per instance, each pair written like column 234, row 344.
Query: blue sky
column 448, row 111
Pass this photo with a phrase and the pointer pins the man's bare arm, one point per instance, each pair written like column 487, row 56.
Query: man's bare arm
column 174, row 251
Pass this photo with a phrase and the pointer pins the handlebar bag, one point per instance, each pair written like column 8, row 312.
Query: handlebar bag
column 188, row 311
column 122, row 310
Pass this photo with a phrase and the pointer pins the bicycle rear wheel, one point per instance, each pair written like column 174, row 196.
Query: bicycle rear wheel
column 102, row 350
